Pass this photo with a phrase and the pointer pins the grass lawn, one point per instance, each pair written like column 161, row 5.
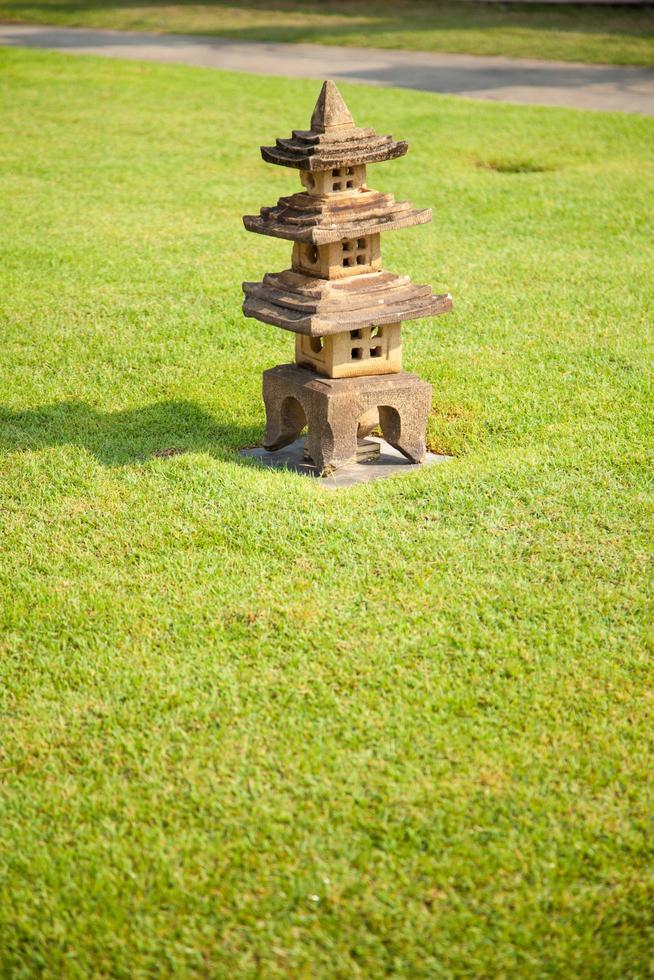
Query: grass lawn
column 594, row 34
column 252, row 728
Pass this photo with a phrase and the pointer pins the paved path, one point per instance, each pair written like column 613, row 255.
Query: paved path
column 498, row 79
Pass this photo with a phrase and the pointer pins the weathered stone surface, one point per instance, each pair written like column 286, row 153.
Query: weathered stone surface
column 352, row 353
column 295, row 397
column 341, row 181
column 310, row 151
column 338, row 260
column 367, row 449
column 305, row 217
column 333, row 140
column 319, row 307
column 330, row 111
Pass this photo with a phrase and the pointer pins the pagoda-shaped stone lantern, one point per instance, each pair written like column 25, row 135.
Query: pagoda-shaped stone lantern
column 345, row 311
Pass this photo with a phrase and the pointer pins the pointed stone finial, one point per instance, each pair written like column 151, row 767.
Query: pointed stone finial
column 330, row 111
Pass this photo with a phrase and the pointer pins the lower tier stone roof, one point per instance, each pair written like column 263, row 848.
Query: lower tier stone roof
column 318, row 307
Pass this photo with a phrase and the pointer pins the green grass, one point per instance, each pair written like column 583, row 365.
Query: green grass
column 252, row 728
column 615, row 35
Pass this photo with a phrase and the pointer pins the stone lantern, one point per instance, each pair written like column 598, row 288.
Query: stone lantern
column 344, row 309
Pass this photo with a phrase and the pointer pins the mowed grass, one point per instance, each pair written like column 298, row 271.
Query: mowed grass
column 249, row 727
column 600, row 34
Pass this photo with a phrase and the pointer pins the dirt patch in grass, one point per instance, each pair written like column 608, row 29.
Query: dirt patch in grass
column 165, row 453
column 452, row 430
column 508, row 166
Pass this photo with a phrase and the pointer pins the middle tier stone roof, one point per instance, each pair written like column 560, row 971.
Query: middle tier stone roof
column 304, row 217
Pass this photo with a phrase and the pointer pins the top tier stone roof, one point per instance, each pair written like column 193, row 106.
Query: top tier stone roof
column 333, row 140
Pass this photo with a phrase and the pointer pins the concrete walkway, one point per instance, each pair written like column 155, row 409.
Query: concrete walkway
column 498, row 79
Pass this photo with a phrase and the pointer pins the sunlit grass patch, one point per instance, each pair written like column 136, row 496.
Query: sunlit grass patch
column 249, row 728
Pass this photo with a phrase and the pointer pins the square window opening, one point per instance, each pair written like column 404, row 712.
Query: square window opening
column 375, row 352
column 361, row 260
column 355, row 334
column 361, row 243
column 347, row 246
column 376, row 332
column 349, row 183
column 337, row 186
column 349, row 170
column 336, row 172
column 357, row 353
column 347, row 263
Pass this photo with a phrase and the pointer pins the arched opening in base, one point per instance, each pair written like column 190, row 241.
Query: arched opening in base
column 293, row 417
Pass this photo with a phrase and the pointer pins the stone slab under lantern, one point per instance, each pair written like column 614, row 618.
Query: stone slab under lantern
column 389, row 462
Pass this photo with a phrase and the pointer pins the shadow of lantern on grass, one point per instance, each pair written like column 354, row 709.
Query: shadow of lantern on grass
column 135, row 435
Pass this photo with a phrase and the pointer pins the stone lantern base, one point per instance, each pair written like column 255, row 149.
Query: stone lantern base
column 337, row 410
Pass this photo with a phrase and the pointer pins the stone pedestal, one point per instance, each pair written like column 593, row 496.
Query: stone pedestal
column 333, row 408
